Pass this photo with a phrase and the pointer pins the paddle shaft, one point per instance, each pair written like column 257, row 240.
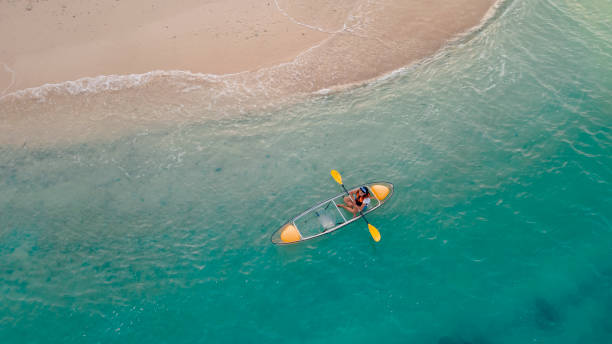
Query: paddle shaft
column 373, row 231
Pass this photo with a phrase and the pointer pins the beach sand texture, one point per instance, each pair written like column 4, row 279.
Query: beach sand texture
column 224, row 56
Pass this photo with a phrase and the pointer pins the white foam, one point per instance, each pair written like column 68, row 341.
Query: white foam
column 101, row 83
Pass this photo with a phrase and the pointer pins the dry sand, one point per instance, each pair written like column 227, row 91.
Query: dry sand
column 53, row 41
column 259, row 51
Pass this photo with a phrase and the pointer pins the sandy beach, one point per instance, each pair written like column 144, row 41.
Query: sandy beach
column 255, row 51
column 51, row 42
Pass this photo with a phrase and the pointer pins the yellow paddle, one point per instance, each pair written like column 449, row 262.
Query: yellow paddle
column 373, row 231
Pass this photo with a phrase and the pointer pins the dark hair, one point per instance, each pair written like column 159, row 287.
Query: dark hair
column 364, row 190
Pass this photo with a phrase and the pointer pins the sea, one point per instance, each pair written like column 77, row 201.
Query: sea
column 499, row 230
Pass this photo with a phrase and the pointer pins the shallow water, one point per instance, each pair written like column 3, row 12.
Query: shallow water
column 498, row 232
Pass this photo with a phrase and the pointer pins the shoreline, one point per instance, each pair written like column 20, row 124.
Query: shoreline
column 357, row 51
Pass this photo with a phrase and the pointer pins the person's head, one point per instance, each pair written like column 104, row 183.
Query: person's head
column 364, row 191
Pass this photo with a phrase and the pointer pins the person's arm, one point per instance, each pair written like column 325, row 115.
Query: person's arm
column 365, row 203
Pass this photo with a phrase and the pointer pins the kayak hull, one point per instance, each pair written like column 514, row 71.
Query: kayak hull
column 326, row 217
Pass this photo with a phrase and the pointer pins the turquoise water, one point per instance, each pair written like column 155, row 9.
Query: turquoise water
column 499, row 231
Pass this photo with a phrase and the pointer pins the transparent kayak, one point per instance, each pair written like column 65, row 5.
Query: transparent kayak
column 326, row 217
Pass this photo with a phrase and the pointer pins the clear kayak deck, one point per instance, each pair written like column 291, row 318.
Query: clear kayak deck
column 327, row 216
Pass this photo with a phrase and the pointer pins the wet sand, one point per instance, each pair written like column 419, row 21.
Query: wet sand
column 250, row 53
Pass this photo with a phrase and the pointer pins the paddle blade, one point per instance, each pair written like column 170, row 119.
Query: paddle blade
column 337, row 177
column 374, row 232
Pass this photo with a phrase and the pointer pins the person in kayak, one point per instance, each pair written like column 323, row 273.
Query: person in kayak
column 357, row 200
